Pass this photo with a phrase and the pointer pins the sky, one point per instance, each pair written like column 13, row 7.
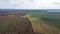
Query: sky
column 29, row 4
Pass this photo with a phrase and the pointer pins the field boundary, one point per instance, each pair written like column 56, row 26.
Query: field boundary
column 36, row 30
column 40, row 27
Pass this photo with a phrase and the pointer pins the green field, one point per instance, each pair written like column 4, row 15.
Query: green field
column 51, row 19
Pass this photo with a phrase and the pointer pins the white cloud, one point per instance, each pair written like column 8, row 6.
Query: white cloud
column 30, row 4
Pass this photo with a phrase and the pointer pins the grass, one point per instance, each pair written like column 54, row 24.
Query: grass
column 49, row 23
column 52, row 19
column 12, row 25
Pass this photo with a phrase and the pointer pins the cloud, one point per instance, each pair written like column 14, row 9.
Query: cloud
column 30, row 4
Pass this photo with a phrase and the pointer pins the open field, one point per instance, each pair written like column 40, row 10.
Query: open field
column 51, row 19
column 29, row 22
column 13, row 24
column 47, row 23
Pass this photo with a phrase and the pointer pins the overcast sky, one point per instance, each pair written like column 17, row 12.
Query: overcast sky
column 29, row 4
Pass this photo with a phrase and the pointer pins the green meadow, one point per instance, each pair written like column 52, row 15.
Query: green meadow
column 51, row 19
